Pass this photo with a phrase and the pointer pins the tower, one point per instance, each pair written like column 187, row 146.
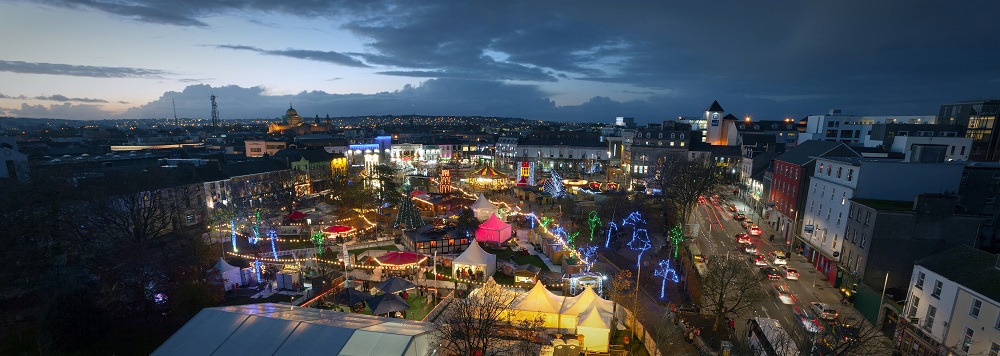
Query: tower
column 713, row 116
column 292, row 117
column 215, row 112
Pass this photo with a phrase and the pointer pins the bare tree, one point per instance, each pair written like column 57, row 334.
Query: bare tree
column 853, row 336
column 481, row 324
column 625, row 291
column 730, row 287
column 681, row 182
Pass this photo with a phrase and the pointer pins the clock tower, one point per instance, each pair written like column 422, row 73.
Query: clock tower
column 713, row 118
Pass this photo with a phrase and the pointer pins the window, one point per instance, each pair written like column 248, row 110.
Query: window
column 840, row 170
column 829, row 212
column 864, row 238
column 820, row 168
column 682, row 136
column 937, row 289
column 996, row 325
column 839, row 217
column 977, row 305
column 829, row 169
column 994, row 349
column 929, row 320
column 868, row 218
column 963, row 151
column 914, row 303
column 920, row 280
column 850, row 174
column 967, row 340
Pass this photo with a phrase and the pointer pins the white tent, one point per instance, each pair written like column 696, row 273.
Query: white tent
column 595, row 326
column 586, row 314
column 539, row 302
column 483, row 208
column 475, row 258
column 275, row 329
column 230, row 274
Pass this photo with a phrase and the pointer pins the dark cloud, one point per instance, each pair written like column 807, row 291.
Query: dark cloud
column 58, row 111
column 79, row 70
column 319, row 56
column 58, row 97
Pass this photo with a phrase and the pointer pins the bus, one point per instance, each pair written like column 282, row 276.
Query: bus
column 766, row 337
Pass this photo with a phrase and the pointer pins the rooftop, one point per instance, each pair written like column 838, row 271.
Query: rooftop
column 968, row 266
column 892, row 205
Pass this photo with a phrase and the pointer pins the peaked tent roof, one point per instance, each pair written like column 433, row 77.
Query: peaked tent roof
column 715, row 107
column 585, row 301
column 540, row 299
column 482, row 203
column 593, row 318
column 474, row 255
column 387, row 303
column 487, row 172
column 494, row 223
column 222, row 266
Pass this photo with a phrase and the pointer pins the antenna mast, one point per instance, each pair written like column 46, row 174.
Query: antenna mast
column 215, row 112
column 176, row 121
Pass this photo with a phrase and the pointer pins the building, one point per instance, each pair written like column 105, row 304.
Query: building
column 261, row 148
column 978, row 191
column 886, row 237
column 14, row 163
column 953, row 304
column 978, row 117
column 260, row 184
column 790, row 177
column 836, row 180
column 313, row 170
column 429, row 239
column 850, row 129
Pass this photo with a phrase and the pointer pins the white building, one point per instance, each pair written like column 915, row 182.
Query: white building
column 835, row 126
column 953, row 304
column 836, row 180
column 958, row 148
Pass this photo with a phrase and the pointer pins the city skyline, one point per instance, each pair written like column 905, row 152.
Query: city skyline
column 565, row 61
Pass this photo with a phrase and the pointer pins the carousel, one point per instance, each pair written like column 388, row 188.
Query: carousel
column 487, row 178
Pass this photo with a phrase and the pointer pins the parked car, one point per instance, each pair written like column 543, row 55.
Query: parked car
column 778, row 258
column 760, row 260
column 807, row 320
column 739, row 217
column 789, row 273
column 750, row 248
column 770, row 273
column 783, row 294
column 755, row 230
column 846, row 332
column 824, row 310
column 742, row 238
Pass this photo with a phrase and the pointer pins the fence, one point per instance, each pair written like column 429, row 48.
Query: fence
column 434, row 313
column 312, row 302
column 647, row 340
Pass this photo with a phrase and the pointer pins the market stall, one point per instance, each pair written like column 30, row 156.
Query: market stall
column 475, row 263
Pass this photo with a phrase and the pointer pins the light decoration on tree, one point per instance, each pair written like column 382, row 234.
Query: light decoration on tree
column 317, row 238
column 232, row 228
column 560, row 233
column 612, row 229
column 635, row 219
column 546, row 221
column 256, row 230
column 555, row 186
column 257, row 266
column 593, row 221
column 588, row 254
column 664, row 270
column 676, row 236
column 572, row 237
column 273, row 235
column 640, row 242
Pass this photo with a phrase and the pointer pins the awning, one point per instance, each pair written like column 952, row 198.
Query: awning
column 296, row 215
column 338, row 229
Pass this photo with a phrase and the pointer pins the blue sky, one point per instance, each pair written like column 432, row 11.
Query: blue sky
column 552, row 60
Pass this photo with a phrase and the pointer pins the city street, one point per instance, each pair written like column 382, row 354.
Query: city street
column 716, row 237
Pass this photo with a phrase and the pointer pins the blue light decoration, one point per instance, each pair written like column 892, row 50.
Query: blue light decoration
column 560, row 233
column 612, row 229
column 256, row 268
column 271, row 234
column 635, row 219
column 640, row 242
column 532, row 215
column 232, row 228
column 256, row 230
column 664, row 270
column 587, row 254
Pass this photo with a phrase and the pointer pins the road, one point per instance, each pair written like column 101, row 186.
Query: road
column 716, row 237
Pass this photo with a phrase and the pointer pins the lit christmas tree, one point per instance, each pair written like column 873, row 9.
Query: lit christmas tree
column 408, row 216
column 676, row 237
column 555, row 185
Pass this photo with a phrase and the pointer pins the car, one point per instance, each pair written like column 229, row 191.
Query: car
column 760, row 260
column 808, row 321
column 770, row 273
column 701, row 200
column 778, row 258
column 783, row 294
column 846, row 332
column 732, row 208
column 742, row 238
column 824, row 311
column 739, row 217
column 755, row 230
column 789, row 273
column 750, row 248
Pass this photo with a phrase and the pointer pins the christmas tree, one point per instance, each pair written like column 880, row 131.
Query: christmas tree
column 555, row 186
column 408, row 216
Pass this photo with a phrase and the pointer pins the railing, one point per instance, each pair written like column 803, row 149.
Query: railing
column 434, row 313
column 647, row 340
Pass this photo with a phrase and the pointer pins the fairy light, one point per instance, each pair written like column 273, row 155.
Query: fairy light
column 593, row 221
column 257, row 267
column 273, row 236
column 232, row 227
column 612, row 229
column 664, row 270
column 587, row 255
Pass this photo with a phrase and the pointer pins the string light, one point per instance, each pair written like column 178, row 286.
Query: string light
column 676, row 237
column 257, row 267
column 273, row 236
column 232, row 227
column 594, row 221
column 664, row 270
column 587, row 255
column 612, row 229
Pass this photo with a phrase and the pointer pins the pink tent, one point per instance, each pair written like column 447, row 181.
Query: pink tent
column 493, row 230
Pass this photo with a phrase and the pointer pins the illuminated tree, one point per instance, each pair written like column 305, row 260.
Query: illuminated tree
column 664, row 270
column 676, row 236
column 594, row 222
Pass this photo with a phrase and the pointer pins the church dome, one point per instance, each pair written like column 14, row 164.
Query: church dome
column 291, row 112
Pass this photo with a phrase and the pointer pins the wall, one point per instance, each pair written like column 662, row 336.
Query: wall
column 984, row 326
column 895, row 180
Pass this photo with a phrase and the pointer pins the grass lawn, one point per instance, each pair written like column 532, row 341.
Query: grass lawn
column 519, row 258
column 419, row 307
column 634, row 347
